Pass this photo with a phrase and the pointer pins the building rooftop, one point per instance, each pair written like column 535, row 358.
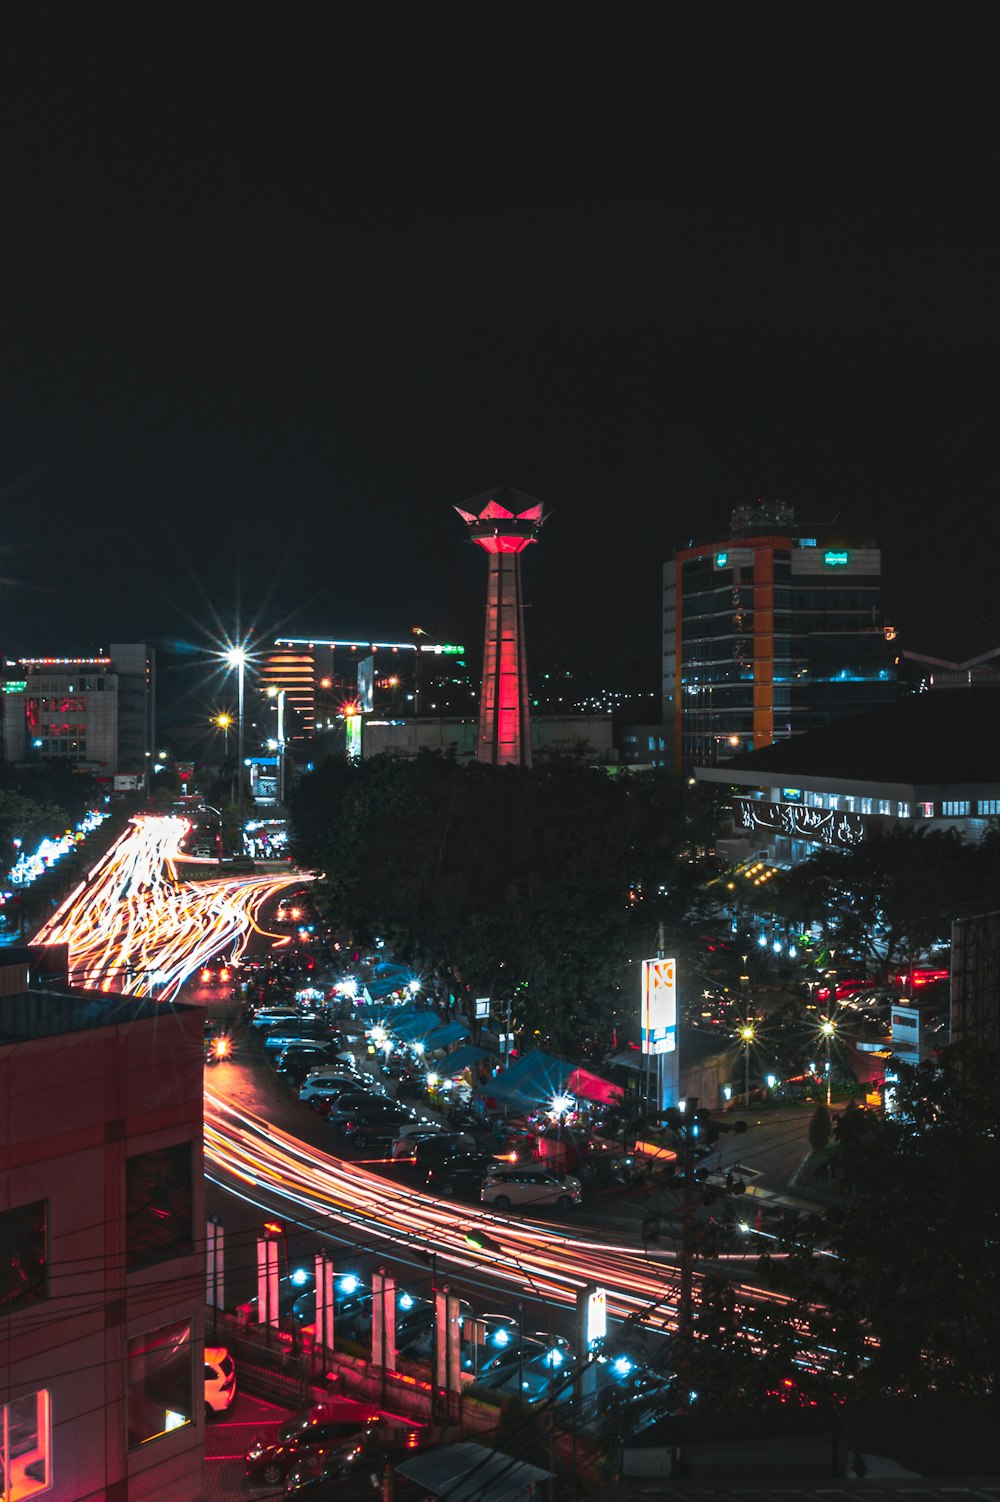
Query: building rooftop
column 944, row 737
column 44, row 1013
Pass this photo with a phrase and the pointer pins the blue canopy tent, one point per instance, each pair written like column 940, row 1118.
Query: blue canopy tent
column 443, row 1037
column 412, row 1025
column 463, row 1058
column 531, row 1081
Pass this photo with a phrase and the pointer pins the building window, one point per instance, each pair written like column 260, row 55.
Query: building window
column 955, row 809
column 866, row 805
column 988, row 806
column 23, row 1256
column 159, row 1205
column 926, row 810
column 885, row 806
column 26, row 1446
column 160, row 1384
column 902, row 810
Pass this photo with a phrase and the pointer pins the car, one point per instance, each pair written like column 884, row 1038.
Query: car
column 296, row 1030
column 217, row 972
column 530, row 1186
column 328, row 1084
column 320, row 1428
column 268, row 1016
column 220, row 1380
column 346, row 1472
column 460, row 1175
column 370, row 1127
column 412, row 1133
column 357, row 1103
column 313, row 1054
column 442, row 1145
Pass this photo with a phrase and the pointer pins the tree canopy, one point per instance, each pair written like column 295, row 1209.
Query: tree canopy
column 540, row 885
column 894, row 1282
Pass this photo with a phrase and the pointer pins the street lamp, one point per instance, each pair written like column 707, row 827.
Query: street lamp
column 278, row 694
column 224, row 721
column 236, row 658
column 747, row 1034
column 828, row 1029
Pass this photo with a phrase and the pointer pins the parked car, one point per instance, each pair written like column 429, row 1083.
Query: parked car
column 220, row 1380
column 413, row 1133
column 294, row 1030
column 317, row 1429
column 357, row 1103
column 376, row 1124
column 327, row 1084
column 268, row 1016
column 442, row 1145
column 460, row 1175
column 530, row 1187
column 315, row 1053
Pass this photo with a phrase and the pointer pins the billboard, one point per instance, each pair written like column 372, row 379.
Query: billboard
column 659, row 1006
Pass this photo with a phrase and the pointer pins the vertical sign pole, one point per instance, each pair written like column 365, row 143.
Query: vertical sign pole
column 324, row 1305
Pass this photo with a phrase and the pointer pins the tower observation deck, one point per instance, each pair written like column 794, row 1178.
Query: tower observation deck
column 503, row 526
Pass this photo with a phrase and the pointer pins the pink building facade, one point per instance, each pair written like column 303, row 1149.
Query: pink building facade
column 101, row 1248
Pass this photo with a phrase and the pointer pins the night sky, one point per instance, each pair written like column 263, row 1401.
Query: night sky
column 284, row 283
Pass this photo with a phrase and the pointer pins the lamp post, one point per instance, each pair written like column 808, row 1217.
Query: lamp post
column 747, row 1035
column 278, row 695
column 223, row 721
column 828, row 1029
column 236, row 658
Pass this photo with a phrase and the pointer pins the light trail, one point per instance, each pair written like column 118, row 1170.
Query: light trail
column 535, row 1258
column 136, row 927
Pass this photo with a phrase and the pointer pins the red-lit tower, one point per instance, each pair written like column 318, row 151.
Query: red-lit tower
column 503, row 533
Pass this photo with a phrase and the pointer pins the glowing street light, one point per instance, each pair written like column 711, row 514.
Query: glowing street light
column 828, row 1030
column 224, row 721
column 747, row 1034
column 236, row 657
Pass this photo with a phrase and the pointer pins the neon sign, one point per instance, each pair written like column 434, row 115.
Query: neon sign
column 721, row 559
column 835, row 560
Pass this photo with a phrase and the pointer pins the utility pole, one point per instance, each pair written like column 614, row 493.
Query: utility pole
column 692, row 1126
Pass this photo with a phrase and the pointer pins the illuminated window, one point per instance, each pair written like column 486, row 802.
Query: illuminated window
column 26, row 1446
column 866, row 805
column 160, row 1383
column 926, row 810
column 902, row 810
column 988, row 806
column 23, row 1256
column 955, row 809
column 885, row 806
column 159, row 1205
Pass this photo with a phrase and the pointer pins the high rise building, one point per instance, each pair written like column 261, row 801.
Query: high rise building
column 768, row 632
column 503, row 534
column 97, row 712
column 323, row 676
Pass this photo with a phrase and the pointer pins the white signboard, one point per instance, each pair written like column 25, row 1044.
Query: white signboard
column 659, row 1006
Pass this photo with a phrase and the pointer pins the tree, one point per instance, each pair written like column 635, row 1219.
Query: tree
column 905, row 1304
column 538, row 885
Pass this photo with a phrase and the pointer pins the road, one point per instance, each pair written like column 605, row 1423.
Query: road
column 138, row 925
